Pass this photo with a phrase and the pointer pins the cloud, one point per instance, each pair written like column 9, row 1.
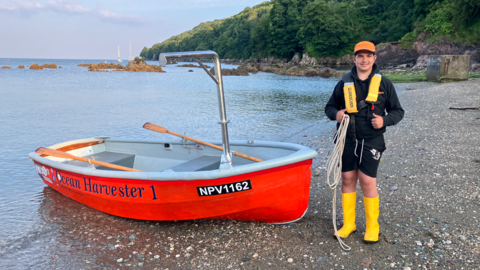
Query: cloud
column 25, row 9
column 63, row 7
column 31, row 8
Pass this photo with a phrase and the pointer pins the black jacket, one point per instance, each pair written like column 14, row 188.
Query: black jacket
column 361, row 123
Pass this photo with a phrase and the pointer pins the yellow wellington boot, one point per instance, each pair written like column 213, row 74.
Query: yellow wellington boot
column 371, row 212
column 349, row 201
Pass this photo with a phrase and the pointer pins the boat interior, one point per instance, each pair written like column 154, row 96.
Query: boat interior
column 172, row 156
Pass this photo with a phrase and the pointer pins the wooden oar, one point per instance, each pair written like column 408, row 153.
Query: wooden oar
column 160, row 129
column 60, row 154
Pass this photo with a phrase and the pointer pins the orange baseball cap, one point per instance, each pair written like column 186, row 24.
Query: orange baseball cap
column 364, row 45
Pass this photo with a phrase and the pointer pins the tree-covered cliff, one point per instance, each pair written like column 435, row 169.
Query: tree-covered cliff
column 281, row 28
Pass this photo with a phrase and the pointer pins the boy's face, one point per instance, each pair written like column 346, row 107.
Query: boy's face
column 364, row 61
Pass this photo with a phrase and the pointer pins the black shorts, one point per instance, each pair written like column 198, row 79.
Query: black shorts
column 361, row 155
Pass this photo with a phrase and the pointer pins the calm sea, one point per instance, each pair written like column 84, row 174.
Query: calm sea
column 45, row 107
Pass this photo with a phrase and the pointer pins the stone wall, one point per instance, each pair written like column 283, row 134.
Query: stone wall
column 448, row 67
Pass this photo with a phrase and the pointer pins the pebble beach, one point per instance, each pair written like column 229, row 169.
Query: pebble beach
column 429, row 189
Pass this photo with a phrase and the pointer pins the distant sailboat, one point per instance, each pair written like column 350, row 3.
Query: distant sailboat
column 119, row 60
column 130, row 53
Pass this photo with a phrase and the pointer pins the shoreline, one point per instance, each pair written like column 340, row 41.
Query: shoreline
column 422, row 190
column 428, row 183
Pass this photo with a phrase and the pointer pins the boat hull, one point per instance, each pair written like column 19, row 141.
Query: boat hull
column 274, row 195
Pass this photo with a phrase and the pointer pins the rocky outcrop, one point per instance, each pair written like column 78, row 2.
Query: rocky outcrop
column 138, row 60
column 344, row 61
column 307, row 60
column 5, row 67
column 389, row 56
column 95, row 67
column 51, row 65
column 21, row 66
column 110, row 66
column 423, row 48
column 475, row 68
column 309, row 71
column 232, row 72
column 35, row 66
column 193, row 66
column 273, row 61
column 294, row 67
column 250, row 67
column 392, row 55
column 104, row 67
column 421, row 62
column 136, row 65
column 139, row 65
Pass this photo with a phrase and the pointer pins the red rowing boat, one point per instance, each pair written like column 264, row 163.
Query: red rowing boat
column 182, row 180
column 275, row 190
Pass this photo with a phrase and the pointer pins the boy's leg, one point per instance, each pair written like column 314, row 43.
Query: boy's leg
column 371, row 200
column 367, row 184
column 349, row 201
column 349, row 188
column 349, row 181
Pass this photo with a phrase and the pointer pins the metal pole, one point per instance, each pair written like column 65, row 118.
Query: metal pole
column 226, row 160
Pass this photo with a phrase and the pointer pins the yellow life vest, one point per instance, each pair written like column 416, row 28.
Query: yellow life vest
column 351, row 95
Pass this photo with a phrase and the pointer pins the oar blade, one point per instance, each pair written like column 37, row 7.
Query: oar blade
column 154, row 127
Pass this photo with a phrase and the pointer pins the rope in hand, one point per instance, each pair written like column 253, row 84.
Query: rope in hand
column 334, row 165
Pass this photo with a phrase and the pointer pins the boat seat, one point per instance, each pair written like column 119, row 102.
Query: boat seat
column 203, row 163
column 121, row 159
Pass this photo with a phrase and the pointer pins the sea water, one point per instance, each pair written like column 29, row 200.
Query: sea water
column 44, row 107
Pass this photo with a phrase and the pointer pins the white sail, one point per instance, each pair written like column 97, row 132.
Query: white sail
column 130, row 53
column 119, row 60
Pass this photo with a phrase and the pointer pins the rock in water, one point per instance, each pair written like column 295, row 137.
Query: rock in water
column 232, row 72
column 192, row 65
column 327, row 72
column 35, row 66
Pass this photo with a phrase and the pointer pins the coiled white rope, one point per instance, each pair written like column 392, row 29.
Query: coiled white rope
column 334, row 166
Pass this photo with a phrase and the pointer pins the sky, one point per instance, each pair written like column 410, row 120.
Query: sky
column 86, row 29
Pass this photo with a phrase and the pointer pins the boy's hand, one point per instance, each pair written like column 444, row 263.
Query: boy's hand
column 377, row 121
column 340, row 115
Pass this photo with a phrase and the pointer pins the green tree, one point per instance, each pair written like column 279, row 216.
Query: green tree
column 144, row 52
column 395, row 19
column 465, row 12
column 282, row 28
column 438, row 22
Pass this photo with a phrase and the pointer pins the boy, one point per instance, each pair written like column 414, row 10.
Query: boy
column 363, row 96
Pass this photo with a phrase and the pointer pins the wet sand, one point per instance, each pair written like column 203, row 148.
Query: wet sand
column 429, row 195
